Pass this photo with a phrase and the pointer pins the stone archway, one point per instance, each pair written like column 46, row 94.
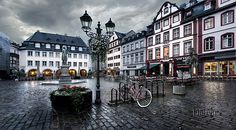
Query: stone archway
column 83, row 73
column 47, row 73
column 32, row 73
column 72, row 72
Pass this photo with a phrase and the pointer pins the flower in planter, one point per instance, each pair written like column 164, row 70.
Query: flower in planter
column 68, row 94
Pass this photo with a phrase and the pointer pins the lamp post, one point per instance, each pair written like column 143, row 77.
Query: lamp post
column 98, row 43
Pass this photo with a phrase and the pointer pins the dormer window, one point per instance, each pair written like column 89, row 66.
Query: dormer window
column 37, row 45
column 207, row 5
column 189, row 13
column 80, row 49
column 57, row 47
column 166, row 10
column 72, row 48
column 48, row 46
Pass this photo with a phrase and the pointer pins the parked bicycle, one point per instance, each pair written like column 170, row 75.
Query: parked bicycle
column 139, row 93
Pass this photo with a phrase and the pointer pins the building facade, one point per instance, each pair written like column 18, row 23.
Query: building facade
column 4, row 56
column 170, row 37
column 217, row 29
column 40, row 55
column 14, row 57
column 114, row 54
column 133, row 53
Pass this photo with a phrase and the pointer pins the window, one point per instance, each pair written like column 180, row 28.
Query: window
column 227, row 41
column 48, row 46
column 141, row 56
column 132, row 58
column 132, row 46
column 58, row 54
column 166, row 10
column 44, row 63
column 72, row 48
column 80, row 49
column 187, row 46
column 80, row 64
column 37, row 63
column 51, row 54
column 158, row 53
column 57, row 47
column 74, row 64
column 175, row 50
column 141, row 44
column 37, row 54
column 158, row 25
column 227, row 17
column 175, row 18
column 209, row 44
column 150, row 41
column 123, row 48
column 127, row 48
column 44, row 54
column 124, row 60
column 166, row 22
column 136, row 57
column 69, row 55
column 118, row 48
column 176, row 33
column 187, row 30
column 57, row 63
column 136, row 45
column 150, row 54
column 85, row 56
column 223, row 1
column 74, row 55
column 30, row 63
column 158, row 39
column 80, row 56
column 69, row 63
column 37, row 45
column 30, row 53
column 166, row 37
column 127, row 62
column 51, row 63
column 166, row 53
column 189, row 13
column 209, row 23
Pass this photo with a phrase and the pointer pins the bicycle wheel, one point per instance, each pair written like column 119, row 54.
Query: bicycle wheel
column 144, row 97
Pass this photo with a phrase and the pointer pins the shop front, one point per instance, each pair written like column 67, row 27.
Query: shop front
column 220, row 64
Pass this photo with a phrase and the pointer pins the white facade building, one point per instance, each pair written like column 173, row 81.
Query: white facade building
column 133, row 53
column 169, row 39
column 114, row 54
column 42, row 53
column 217, row 51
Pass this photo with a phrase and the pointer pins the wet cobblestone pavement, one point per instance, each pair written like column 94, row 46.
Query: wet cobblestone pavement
column 207, row 105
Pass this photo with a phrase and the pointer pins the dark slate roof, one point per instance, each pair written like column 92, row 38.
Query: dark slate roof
column 119, row 34
column 56, row 38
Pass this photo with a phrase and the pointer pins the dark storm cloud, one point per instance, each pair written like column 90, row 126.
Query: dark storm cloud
column 21, row 18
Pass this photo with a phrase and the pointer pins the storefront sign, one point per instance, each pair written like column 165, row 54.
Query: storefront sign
column 131, row 66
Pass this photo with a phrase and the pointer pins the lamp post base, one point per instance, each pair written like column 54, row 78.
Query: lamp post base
column 98, row 99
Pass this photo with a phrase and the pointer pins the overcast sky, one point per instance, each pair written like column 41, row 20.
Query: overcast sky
column 19, row 19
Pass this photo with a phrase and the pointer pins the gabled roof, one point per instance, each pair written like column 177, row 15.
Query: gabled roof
column 160, row 10
column 55, row 38
column 119, row 34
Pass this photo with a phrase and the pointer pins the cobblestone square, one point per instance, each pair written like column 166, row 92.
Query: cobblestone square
column 207, row 105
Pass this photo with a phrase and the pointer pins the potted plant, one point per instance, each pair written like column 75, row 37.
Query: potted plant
column 71, row 98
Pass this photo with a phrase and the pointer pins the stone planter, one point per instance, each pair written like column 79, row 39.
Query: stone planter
column 179, row 89
column 72, row 103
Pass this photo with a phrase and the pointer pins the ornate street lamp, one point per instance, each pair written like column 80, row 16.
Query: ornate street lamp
column 98, row 43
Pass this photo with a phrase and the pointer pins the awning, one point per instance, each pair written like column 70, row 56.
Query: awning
column 150, row 67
